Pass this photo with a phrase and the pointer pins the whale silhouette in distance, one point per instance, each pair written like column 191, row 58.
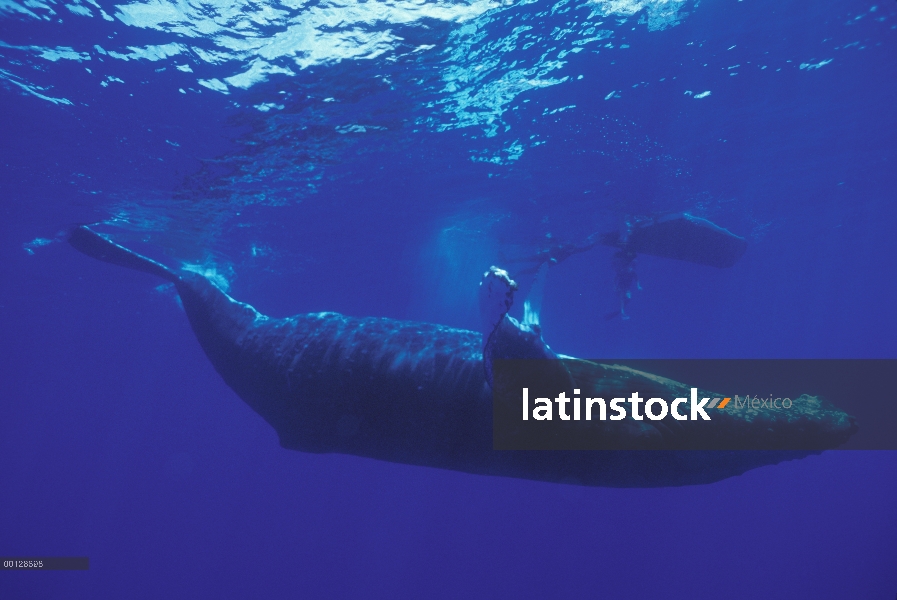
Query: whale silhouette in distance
column 413, row 393
column 679, row 236
column 683, row 237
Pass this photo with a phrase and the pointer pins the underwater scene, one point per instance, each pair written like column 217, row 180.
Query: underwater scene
column 262, row 261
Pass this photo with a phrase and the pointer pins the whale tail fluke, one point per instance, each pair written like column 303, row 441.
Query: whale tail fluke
column 91, row 243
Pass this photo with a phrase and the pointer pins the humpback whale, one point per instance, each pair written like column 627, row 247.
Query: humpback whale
column 681, row 236
column 409, row 392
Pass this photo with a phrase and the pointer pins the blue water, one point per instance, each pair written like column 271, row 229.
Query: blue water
column 374, row 158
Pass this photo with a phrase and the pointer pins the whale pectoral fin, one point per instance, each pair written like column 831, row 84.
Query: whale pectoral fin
column 496, row 298
column 91, row 243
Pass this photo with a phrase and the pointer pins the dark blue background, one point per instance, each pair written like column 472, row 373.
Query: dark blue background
column 120, row 442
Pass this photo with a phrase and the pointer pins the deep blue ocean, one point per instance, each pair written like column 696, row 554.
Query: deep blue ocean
column 374, row 158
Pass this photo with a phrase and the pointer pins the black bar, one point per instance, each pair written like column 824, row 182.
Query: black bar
column 44, row 563
column 837, row 403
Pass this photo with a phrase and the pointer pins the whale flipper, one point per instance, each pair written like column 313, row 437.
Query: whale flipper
column 91, row 243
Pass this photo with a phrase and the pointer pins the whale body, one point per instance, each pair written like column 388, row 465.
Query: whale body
column 400, row 391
